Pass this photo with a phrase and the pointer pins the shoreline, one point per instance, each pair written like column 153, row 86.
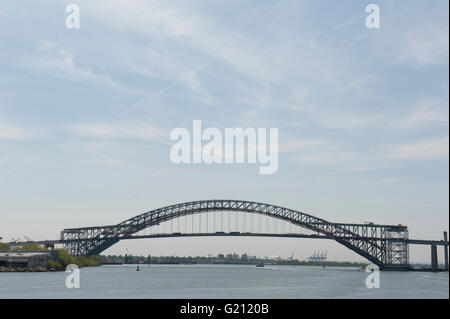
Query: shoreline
column 7, row 269
column 4, row 269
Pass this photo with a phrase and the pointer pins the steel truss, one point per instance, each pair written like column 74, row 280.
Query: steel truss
column 383, row 245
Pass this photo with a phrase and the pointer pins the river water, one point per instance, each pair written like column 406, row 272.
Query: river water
column 223, row 281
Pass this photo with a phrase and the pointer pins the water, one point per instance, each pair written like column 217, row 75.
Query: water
column 223, row 281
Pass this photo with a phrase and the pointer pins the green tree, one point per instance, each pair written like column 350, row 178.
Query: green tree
column 93, row 261
column 33, row 247
column 54, row 264
column 82, row 261
column 65, row 258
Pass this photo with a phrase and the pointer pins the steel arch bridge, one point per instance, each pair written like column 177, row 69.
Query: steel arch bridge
column 383, row 245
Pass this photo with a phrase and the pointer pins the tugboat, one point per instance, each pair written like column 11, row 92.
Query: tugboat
column 260, row 265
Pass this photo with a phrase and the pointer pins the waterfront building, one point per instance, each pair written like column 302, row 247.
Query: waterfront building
column 24, row 258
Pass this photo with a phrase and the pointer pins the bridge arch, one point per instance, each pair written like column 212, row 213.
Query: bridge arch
column 371, row 241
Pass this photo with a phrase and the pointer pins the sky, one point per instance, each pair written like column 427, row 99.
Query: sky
column 86, row 114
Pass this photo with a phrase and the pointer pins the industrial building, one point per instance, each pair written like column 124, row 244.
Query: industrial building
column 24, row 259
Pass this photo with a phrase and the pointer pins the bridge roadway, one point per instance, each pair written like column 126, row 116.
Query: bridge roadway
column 241, row 234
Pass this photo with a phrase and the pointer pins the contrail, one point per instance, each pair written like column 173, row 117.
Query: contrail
column 155, row 96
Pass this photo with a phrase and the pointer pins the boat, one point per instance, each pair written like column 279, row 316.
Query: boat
column 137, row 268
column 260, row 265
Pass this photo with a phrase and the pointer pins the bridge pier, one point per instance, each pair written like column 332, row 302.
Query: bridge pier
column 445, row 252
column 434, row 258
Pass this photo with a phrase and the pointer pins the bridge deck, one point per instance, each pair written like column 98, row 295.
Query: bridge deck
column 239, row 234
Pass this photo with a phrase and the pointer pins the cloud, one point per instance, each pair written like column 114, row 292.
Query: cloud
column 58, row 61
column 302, row 144
column 377, row 157
column 198, row 34
column 428, row 48
column 410, row 37
column 428, row 112
column 13, row 132
column 168, row 67
column 9, row 132
column 432, row 149
column 338, row 157
column 95, row 152
column 329, row 118
column 106, row 161
column 185, row 77
column 136, row 130
column 4, row 160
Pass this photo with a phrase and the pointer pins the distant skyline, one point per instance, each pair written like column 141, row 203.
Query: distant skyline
column 362, row 115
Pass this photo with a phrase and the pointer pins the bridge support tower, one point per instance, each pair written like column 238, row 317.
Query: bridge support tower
column 445, row 252
column 434, row 258
column 397, row 250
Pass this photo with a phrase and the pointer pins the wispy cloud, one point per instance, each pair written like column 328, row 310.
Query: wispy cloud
column 96, row 152
column 5, row 160
column 135, row 130
column 428, row 112
column 58, row 61
column 431, row 149
column 105, row 161
column 185, row 77
column 378, row 157
column 414, row 38
column 342, row 159
column 9, row 131
column 302, row 144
